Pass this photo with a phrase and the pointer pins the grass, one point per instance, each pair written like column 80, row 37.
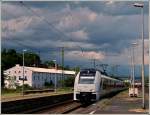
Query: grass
column 7, row 94
column 65, row 89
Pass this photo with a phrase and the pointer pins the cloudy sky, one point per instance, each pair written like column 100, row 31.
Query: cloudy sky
column 87, row 30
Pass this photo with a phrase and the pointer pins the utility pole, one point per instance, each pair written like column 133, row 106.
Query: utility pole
column 62, row 53
column 133, row 70
column 130, row 63
column 38, row 64
column 34, row 60
column 55, row 75
column 116, row 69
column 133, row 67
column 24, row 50
column 104, row 67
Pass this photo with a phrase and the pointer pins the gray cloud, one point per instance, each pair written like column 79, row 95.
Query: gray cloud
column 98, row 26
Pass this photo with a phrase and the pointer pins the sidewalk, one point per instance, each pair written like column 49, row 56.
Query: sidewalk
column 123, row 104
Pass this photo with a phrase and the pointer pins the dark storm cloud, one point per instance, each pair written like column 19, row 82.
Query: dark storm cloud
column 93, row 26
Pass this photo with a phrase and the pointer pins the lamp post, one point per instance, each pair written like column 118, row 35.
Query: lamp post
column 130, row 63
column 23, row 73
column 55, row 75
column 142, row 21
column 133, row 75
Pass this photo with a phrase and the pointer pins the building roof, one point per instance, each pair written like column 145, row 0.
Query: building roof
column 46, row 70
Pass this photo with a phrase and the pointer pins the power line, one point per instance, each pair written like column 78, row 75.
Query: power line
column 50, row 24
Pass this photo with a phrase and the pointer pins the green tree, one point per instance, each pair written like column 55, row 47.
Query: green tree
column 67, row 67
column 31, row 59
column 77, row 69
column 48, row 84
column 9, row 58
column 49, row 63
column 69, row 82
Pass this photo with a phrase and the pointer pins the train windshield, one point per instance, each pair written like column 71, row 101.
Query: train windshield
column 87, row 77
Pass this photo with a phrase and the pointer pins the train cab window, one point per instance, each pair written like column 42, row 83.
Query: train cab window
column 87, row 77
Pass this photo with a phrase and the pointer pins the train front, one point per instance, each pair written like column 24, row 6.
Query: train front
column 85, row 86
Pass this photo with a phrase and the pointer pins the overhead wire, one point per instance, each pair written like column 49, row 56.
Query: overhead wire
column 60, row 33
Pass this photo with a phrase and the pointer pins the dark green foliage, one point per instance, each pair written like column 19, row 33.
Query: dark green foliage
column 26, row 87
column 76, row 69
column 17, row 90
column 6, row 91
column 2, row 78
column 31, row 59
column 49, row 84
column 49, row 63
column 146, row 81
column 10, row 58
column 69, row 82
column 67, row 67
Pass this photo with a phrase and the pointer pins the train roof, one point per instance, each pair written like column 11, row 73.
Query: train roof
column 103, row 75
column 110, row 78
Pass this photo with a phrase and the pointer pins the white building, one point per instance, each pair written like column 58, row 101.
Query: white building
column 33, row 76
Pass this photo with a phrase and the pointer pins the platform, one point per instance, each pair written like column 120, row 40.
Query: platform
column 123, row 104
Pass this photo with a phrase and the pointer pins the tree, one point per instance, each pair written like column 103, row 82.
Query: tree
column 9, row 58
column 2, row 78
column 48, row 84
column 69, row 82
column 49, row 63
column 67, row 67
column 146, row 81
column 31, row 59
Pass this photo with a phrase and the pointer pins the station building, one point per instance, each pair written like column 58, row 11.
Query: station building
column 34, row 76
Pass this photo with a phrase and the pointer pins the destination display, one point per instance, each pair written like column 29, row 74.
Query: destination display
column 87, row 73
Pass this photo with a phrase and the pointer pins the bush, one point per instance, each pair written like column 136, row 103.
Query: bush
column 26, row 87
column 47, row 84
column 6, row 90
column 69, row 82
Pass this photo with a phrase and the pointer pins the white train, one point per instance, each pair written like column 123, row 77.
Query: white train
column 91, row 84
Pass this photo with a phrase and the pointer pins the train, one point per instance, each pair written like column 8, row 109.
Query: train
column 91, row 84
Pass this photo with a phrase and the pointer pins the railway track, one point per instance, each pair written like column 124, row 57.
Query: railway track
column 63, row 107
column 59, row 108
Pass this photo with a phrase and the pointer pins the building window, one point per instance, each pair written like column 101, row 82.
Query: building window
column 21, row 78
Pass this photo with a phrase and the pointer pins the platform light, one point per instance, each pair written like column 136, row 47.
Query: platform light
column 142, row 20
